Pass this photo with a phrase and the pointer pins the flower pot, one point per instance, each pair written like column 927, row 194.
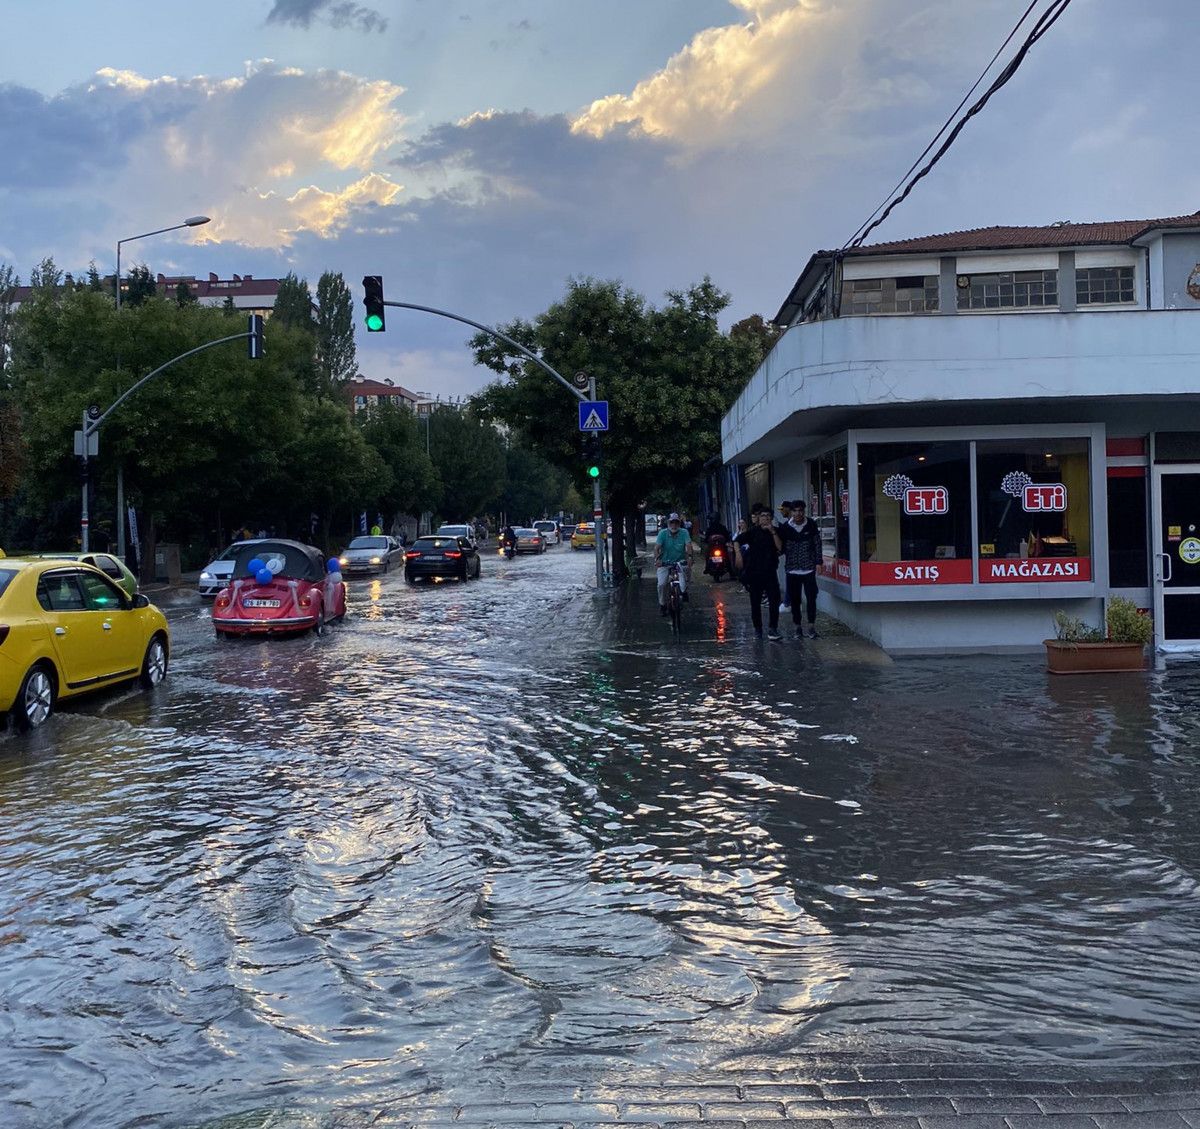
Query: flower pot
column 1093, row 658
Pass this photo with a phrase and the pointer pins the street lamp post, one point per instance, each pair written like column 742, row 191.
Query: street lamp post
column 191, row 221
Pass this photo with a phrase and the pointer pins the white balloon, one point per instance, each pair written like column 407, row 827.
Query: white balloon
column 275, row 564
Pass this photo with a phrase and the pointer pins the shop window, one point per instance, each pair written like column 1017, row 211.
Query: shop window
column 906, row 294
column 1128, row 552
column 1023, row 289
column 1034, row 510
column 915, row 513
column 830, row 502
column 1103, row 285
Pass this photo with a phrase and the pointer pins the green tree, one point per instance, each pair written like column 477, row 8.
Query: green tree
column 533, row 487
column 399, row 440
column 228, row 307
column 94, row 281
column 8, row 294
column 469, row 458
column 293, row 304
column 337, row 361
column 184, row 295
column 139, row 286
column 669, row 373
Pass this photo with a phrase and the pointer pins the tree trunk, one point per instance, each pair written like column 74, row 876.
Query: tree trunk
column 619, row 571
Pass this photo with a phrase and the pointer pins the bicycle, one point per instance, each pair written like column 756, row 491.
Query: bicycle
column 674, row 598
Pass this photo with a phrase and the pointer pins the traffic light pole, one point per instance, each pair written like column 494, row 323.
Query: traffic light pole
column 597, row 508
column 91, row 426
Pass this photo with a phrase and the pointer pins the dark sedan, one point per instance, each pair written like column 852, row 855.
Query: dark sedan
column 436, row 556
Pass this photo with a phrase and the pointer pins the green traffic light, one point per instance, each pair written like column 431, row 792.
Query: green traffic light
column 374, row 323
column 593, row 472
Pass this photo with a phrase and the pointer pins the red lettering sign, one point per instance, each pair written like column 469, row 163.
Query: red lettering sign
column 908, row 573
column 926, row 500
column 1039, row 570
column 835, row 569
column 1044, row 498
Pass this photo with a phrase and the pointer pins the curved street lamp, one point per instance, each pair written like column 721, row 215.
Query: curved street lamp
column 191, row 221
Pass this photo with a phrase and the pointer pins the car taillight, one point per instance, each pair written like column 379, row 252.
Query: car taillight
column 717, row 554
column 222, row 600
column 305, row 600
column 3, row 632
column 453, row 553
column 412, row 554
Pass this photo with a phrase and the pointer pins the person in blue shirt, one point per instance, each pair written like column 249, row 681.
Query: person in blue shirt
column 672, row 546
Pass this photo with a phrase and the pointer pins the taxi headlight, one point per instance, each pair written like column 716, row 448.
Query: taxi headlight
column 377, row 560
column 207, row 576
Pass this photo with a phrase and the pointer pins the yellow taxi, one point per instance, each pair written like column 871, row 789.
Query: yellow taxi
column 66, row 629
column 584, row 536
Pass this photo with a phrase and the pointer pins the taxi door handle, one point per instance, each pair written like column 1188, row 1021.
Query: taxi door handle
column 107, row 626
column 60, row 631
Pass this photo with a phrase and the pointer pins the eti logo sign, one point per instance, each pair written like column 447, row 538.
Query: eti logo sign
column 926, row 500
column 1051, row 498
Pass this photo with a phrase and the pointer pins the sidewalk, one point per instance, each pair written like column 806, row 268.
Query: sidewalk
column 718, row 614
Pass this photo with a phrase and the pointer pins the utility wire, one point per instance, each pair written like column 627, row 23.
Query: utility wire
column 947, row 123
column 1044, row 23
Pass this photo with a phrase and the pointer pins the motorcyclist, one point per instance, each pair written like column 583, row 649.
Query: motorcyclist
column 716, row 536
column 508, row 540
column 716, row 528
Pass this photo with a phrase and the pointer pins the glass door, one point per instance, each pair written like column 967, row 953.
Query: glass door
column 1177, row 564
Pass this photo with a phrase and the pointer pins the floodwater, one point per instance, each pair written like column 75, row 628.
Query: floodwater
column 488, row 832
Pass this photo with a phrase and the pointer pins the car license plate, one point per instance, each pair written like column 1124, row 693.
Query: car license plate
column 260, row 603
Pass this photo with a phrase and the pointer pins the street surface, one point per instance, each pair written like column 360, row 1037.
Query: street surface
column 459, row 847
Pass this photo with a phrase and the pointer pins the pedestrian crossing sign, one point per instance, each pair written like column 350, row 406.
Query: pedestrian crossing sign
column 593, row 415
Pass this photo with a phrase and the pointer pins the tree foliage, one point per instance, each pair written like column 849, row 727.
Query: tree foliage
column 337, row 361
column 469, row 457
column 293, row 304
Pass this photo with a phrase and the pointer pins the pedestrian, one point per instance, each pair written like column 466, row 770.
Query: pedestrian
column 801, row 538
column 757, row 555
column 785, row 515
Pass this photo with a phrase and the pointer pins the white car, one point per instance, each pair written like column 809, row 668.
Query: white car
column 549, row 531
column 456, row 531
column 218, row 573
column 365, row 555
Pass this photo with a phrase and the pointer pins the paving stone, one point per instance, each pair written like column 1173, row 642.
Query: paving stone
column 670, row 1094
column 946, row 1087
column 795, row 1091
column 1191, row 1117
column 877, row 1123
column 1152, row 1120
column 818, row 1107
column 1035, row 1088
column 579, row 1111
column 662, row 1111
column 1140, row 1103
column 1096, row 1103
column 758, row 1111
column 911, row 1106
column 866, row 1089
column 1003, row 1106
column 500, row 1113
column 1052, row 1121
column 970, row 1121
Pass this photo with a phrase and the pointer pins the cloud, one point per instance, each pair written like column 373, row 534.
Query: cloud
column 268, row 154
column 337, row 13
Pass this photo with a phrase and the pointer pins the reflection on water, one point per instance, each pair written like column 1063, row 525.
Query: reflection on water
column 456, row 839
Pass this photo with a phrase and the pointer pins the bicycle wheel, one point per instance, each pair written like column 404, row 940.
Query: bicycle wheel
column 676, row 609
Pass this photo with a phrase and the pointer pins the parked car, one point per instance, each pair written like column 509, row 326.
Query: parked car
column 218, row 572
column 280, row 587
column 651, row 524
column 529, row 540
column 366, row 555
column 112, row 567
column 457, row 531
column 549, row 532
column 584, row 536
column 66, row 629
column 566, row 532
column 442, row 556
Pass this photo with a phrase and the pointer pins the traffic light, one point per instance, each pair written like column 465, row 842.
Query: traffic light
column 591, row 449
column 373, row 300
column 254, row 329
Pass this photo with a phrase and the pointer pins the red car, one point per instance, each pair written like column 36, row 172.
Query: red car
column 280, row 588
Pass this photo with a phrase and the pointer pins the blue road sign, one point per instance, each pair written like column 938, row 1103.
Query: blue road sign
column 593, row 415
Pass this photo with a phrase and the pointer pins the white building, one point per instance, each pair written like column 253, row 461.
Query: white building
column 990, row 425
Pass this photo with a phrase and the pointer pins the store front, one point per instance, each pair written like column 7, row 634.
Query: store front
column 1177, row 561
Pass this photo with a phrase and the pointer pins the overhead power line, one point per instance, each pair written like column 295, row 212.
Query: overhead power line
column 909, row 181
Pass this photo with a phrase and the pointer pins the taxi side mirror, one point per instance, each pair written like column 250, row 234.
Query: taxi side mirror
column 141, row 601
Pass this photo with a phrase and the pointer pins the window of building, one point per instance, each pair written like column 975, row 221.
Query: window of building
column 1034, row 509
column 1021, row 289
column 1103, row 285
column 832, row 507
column 906, row 294
column 915, row 507
column 1128, row 551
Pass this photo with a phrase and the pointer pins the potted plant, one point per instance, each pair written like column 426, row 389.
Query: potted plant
column 1079, row 648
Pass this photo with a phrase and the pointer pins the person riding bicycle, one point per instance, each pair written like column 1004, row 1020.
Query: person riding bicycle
column 672, row 547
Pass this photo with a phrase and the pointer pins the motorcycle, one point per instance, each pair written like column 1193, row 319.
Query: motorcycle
column 717, row 562
column 508, row 549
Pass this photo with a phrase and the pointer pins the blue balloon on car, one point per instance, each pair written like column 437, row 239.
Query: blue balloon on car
column 264, row 575
column 333, row 565
column 256, row 566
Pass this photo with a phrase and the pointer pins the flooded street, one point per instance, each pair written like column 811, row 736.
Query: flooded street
column 460, row 838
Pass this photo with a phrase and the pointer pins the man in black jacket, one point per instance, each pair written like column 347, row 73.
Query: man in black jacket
column 801, row 537
column 757, row 555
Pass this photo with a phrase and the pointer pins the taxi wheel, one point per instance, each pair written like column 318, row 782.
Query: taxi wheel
column 35, row 699
column 154, row 665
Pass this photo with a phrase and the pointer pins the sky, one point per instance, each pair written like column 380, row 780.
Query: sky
column 478, row 154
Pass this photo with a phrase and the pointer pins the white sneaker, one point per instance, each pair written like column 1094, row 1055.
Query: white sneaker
column 785, row 607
